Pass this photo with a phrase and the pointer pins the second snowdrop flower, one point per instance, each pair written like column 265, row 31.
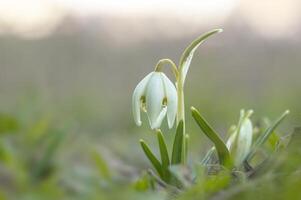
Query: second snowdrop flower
column 240, row 142
column 157, row 96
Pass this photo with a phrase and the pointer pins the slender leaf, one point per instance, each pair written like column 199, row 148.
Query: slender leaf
column 152, row 158
column 181, row 174
column 265, row 136
column 273, row 140
column 208, row 156
column 295, row 139
column 144, row 182
column 189, row 51
column 164, row 156
column 186, row 147
column 178, row 144
column 8, row 123
column 44, row 164
column 101, row 165
column 221, row 148
column 163, row 150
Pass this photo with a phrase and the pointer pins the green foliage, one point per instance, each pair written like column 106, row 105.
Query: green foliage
column 45, row 163
column 163, row 168
column 152, row 158
column 265, row 136
column 163, row 150
column 220, row 146
column 101, row 165
column 144, row 183
column 8, row 123
column 177, row 149
column 164, row 156
column 187, row 55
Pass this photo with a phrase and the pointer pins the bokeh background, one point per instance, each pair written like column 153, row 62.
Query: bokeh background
column 68, row 67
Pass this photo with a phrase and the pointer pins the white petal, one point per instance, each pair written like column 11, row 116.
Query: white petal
column 159, row 119
column 154, row 97
column 231, row 140
column 244, row 141
column 172, row 100
column 137, row 94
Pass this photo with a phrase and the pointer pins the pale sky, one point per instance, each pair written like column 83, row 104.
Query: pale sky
column 270, row 18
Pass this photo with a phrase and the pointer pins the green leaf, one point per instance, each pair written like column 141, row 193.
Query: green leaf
column 144, row 182
column 178, row 144
column 186, row 147
column 217, row 182
column 152, row 158
column 265, row 136
column 44, row 164
column 163, row 150
column 208, row 156
column 101, row 165
column 164, row 156
column 189, row 51
column 295, row 139
column 220, row 146
column 180, row 175
column 273, row 140
column 8, row 123
column 38, row 129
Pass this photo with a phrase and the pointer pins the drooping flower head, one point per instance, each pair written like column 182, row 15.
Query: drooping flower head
column 156, row 95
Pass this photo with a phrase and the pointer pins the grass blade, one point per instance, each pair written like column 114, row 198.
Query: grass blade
column 44, row 164
column 295, row 140
column 220, row 146
column 186, row 148
column 163, row 150
column 265, row 136
column 152, row 158
column 208, row 156
column 8, row 124
column 164, row 156
column 178, row 144
column 101, row 165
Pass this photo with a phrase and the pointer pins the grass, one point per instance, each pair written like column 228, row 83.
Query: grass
column 47, row 156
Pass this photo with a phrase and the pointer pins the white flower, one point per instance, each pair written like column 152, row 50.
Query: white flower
column 157, row 96
column 239, row 144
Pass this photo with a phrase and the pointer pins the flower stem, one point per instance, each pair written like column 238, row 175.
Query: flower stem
column 181, row 113
column 180, row 92
column 164, row 61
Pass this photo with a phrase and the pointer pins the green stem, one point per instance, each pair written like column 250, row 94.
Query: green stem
column 180, row 93
column 181, row 112
column 164, row 61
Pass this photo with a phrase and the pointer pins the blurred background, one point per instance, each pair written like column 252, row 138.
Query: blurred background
column 68, row 69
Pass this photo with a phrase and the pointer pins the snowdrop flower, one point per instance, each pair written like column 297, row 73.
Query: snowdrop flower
column 239, row 143
column 157, row 96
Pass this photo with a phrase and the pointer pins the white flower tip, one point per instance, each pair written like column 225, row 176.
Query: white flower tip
column 171, row 121
column 192, row 108
column 138, row 123
column 157, row 123
column 136, row 98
